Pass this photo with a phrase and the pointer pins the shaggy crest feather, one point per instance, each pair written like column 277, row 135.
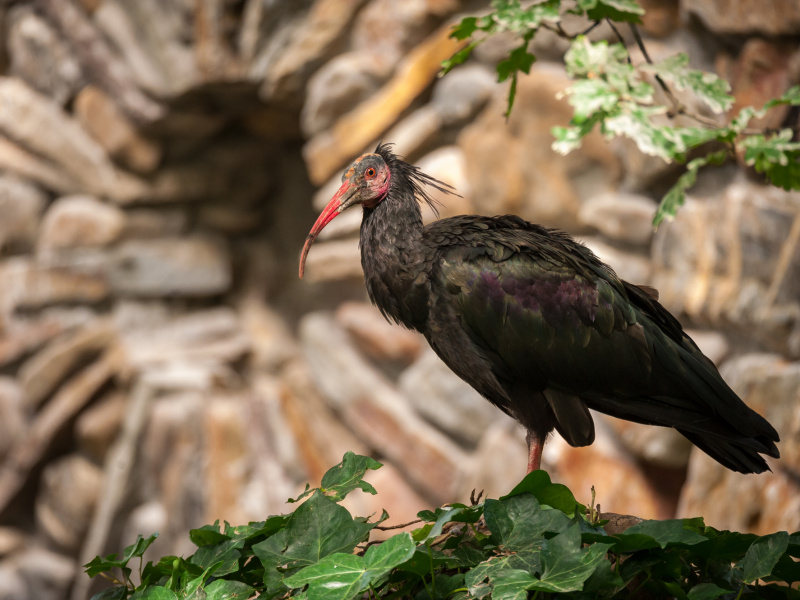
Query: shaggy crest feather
column 417, row 178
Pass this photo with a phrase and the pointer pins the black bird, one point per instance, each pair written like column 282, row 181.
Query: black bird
column 535, row 322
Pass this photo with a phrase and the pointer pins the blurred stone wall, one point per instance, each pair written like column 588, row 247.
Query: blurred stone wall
column 162, row 366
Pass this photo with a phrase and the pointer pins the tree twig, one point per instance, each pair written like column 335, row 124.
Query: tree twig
column 677, row 107
column 558, row 30
column 388, row 527
column 619, row 37
column 591, row 28
column 364, row 548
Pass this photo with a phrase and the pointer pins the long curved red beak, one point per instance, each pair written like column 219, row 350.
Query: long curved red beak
column 338, row 203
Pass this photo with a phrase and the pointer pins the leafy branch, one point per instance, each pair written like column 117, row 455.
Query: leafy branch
column 614, row 94
column 535, row 541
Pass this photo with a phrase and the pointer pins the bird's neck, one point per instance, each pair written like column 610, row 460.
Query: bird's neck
column 393, row 259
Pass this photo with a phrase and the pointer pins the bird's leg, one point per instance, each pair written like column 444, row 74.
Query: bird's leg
column 535, row 446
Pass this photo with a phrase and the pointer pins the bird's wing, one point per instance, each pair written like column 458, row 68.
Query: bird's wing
column 541, row 306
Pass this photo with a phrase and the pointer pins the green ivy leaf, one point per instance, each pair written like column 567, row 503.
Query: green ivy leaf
column 568, row 139
column 763, row 555
column 706, row 591
column 168, row 570
column 467, row 557
column 588, row 96
column 465, row 29
column 634, row 122
column 670, row 589
column 512, row 94
column 604, row 582
column 100, row 565
column 512, row 584
column 348, row 475
column 389, row 554
column 527, row 561
column 518, row 522
column 207, row 535
column 794, row 545
column 450, row 587
column 587, row 59
column 776, row 156
column 546, row 492
column 444, row 518
column 337, row 577
column 222, row 589
column 426, row 560
column 562, row 563
column 114, row 593
column 343, row 576
column 317, row 528
column 566, row 565
column 257, row 529
column 192, row 589
column 460, row 513
column 710, row 88
column 153, row 593
column 225, row 555
column 676, row 195
column 786, row 570
column 518, row 59
column 458, row 58
column 671, row 532
column 725, row 546
column 791, row 97
column 510, row 16
column 616, row 10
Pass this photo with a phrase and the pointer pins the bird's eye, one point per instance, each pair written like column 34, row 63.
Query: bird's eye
column 369, row 173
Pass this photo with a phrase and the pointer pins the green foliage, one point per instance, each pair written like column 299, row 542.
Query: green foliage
column 616, row 10
column 534, row 542
column 618, row 96
column 508, row 15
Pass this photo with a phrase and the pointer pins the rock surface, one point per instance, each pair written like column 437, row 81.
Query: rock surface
column 624, row 218
column 745, row 16
column 447, row 401
column 70, row 490
column 731, row 257
column 179, row 266
column 376, row 411
column 498, row 157
column 21, row 205
column 40, row 57
column 78, row 221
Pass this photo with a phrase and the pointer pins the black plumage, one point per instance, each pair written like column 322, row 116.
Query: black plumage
column 536, row 323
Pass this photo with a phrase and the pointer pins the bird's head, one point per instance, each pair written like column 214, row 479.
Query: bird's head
column 366, row 182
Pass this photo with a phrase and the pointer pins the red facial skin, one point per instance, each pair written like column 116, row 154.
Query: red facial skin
column 366, row 187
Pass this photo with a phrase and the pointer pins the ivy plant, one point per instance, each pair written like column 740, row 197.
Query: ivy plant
column 616, row 95
column 535, row 542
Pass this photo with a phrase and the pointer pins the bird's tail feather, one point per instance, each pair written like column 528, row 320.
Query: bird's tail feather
column 737, row 450
column 740, row 458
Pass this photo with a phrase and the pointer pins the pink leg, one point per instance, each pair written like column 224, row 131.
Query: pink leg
column 535, row 446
